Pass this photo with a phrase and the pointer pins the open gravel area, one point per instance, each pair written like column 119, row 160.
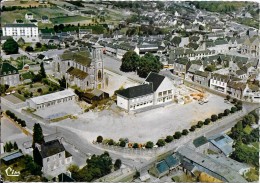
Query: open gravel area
column 145, row 126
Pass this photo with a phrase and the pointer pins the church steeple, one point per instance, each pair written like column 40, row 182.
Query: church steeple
column 97, row 60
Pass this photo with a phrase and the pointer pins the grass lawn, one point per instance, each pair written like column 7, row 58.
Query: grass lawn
column 27, row 75
column 247, row 129
column 252, row 175
column 18, row 165
column 68, row 19
column 10, row 17
column 21, row 97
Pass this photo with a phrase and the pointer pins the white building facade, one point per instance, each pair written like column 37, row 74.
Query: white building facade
column 28, row 32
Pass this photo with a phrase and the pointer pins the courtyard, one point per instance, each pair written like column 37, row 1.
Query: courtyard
column 145, row 126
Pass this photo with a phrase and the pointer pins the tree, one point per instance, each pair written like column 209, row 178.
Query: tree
column 10, row 46
column 160, row 143
column 233, row 109
column 99, row 139
column 63, row 82
column 135, row 146
column 192, row 128
column 249, row 119
column 148, row 63
column 39, row 90
column 29, row 49
column 149, row 145
column 37, row 134
column 185, row 132
column 130, row 61
column 42, row 70
column 169, row 138
column 136, row 175
column 228, row 97
column 210, row 68
column 226, row 112
column 177, row 135
column 220, row 115
column 38, row 45
column 15, row 146
column 207, row 121
column 111, row 142
column 117, row 164
column 214, row 118
column 176, row 40
column 122, row 143
column 200, row 124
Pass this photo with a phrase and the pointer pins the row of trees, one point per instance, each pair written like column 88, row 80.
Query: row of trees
column 15, row 118
column 179, row 134
column 142, row 65
column 9, row 146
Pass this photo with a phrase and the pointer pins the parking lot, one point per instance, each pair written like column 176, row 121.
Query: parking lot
column 142, row 127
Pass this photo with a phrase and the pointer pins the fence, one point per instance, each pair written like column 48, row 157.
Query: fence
column 12, row 105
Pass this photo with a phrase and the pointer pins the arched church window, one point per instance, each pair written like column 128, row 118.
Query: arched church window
column 99, row 75
column 58, row 67
column 68, row 63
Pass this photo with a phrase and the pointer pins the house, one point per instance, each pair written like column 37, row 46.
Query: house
column 219, row 82
column 34, row 21
column 28, row 16
column 45, row 19
column 181, row 66
column 157, row 89
column 52, row 156
column 236, row 89
column 161, row 169
column 202, row 78
column 193, row 68
column 223, row 143
column 252, row 93
column 81, row 68
column 220, row 46
column 147, row 48
column 251, row 47
column 29, row 32
column 9, row 75
column 48, row 100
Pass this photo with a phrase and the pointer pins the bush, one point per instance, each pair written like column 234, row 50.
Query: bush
column 122, row 143
column 149, row 145
column 135, row 145
column 39, row 90
column 214, row 118
column 226, row 112
column 169, row 138
column 185, row 132
column 207, row 121
column 177, row 135
column 193, row 128
column 29, row 49
column 228, row 97
column 99, row 139
column 117, row 164
column 200, row 124
column 111, row 142
column 234, row 101
column 239, row 107
column 160, row 143
column 233, row 109
column 220, row 115
column 23, row 123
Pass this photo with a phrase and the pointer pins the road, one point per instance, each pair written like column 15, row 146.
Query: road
column 72, row 137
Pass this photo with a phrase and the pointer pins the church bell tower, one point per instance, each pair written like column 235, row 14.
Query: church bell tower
column 97, row 56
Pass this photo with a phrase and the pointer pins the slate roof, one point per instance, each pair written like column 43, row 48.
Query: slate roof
column 77, row 73
column 136, row 91
column 236, row 85
column 162, row 167
column 193, row 68
column 223, row 142
column 220, row 77
column 19, row 25
column 200, row 141
column 5, row 68
column 201, row 73
column 172, row 161
column 182, row 61
column 51, row 148
column 156, row 79
column 240, row 72
column 82, row 57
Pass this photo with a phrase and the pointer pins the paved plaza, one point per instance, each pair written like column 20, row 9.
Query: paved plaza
column 142, row 127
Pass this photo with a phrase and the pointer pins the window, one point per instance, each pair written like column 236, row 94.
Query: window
column 160, row 94
column 169, row 91
column 164, row 93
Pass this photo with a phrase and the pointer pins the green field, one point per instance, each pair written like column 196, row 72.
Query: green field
column 68, row 19
column 10, row 17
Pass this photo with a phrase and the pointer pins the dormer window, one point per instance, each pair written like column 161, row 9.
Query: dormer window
column 14, row 71
column 9, row 72
column 4, row 73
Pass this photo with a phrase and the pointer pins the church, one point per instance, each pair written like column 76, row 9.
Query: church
column 81, row 68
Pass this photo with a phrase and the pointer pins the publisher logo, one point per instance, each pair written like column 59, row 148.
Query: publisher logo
column 11, row 172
